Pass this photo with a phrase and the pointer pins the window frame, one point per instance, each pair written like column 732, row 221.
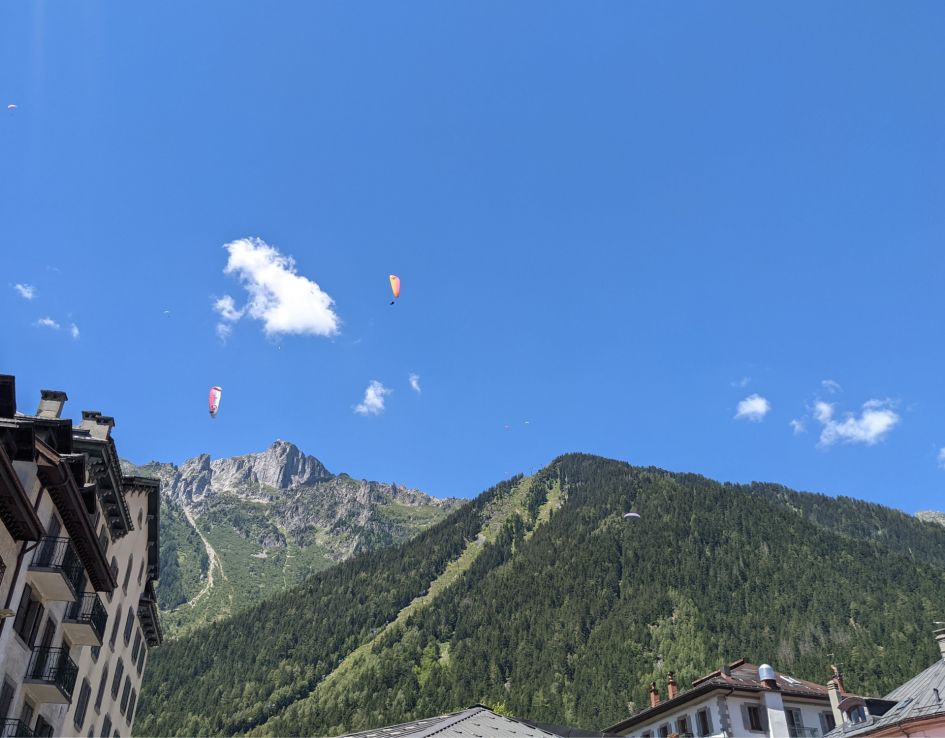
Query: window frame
column 82, row 704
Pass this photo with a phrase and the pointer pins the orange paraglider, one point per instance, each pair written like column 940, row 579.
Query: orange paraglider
column 394, row 287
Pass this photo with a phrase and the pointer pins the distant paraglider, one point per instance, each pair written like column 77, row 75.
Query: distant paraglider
column 215, row 394
column 11, row 106
column 394, row 287
column 631, row 515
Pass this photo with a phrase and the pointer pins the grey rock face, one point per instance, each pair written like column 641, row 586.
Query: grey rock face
column 931, row 516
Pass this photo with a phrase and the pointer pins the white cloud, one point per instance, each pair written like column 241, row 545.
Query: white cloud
column 373, row 402
column 941, row 458
column 286, row 302
column 754, row 408
column 48, row 323
column 415, row 383
column 741, row 383
column 874, row 422
column 74, row 331
column 798, row 426
column 224, row 330
column 830, row 386
column 227, row 308
column 27, row 291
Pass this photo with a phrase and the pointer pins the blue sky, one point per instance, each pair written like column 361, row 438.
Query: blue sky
column 614, row 221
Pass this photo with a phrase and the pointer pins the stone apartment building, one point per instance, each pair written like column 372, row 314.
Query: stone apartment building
column 78, row 558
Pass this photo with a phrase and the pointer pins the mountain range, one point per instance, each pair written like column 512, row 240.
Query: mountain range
column 539, row 598
column 236, row 530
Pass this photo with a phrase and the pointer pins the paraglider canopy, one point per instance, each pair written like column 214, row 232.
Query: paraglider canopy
column 11, row 106
column 394, row 286
column 215, row 394
column 631, row 515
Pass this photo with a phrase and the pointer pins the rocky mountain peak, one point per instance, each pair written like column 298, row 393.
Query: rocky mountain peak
column 931, row 516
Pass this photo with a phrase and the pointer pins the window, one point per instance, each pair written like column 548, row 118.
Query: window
column 6, row 698
column 95, row 651
column 124, row 695
column 101, row 689
column 131, row 706
column 106, row 727
column 664, row 730
column 114, row 636
column 648, row 734
column 3, row 568
column 752, row 717
column 140, row 571
column 141, row 655
column 136, row 646
column 857, row 714
column 116, row 682
column 129, row 624
column 117, row 735
column 42, row 729
column 26, row 716
column 103, row 538
column 704, row 719
column 827, row 723
column 82, row 705
column 131, row 563
column 682, row 724
column 140, row 516
column 114, row 569
column 795, row 722
column 28, row 617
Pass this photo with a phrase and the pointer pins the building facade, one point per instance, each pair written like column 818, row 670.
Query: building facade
column 79, row 549
column 740, row 699
column 916, row 709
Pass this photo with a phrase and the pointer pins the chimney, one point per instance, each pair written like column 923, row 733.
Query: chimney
column 767, row 676
column 99, row 426
column 654, row 695
column 7, row 395
column 838, row 677
column 671, row 689
column 833, row 691
column 726, row 670
column 50, row 403
column 940, row 637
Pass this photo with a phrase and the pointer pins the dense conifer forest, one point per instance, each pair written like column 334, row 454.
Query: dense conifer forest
column 538, row 598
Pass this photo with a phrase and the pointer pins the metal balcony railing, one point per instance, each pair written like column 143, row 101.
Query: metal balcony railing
column 59, row 553
column 802, row 732
column 53, row 666
column 15, row 729
column 90, row 610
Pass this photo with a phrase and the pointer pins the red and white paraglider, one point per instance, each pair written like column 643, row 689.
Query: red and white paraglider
column 215, row 394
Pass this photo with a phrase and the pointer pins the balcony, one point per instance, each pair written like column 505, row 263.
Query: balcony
column 15, row 729
column 50, row 676
column 802, row 732
column 84, row 622
column 56, row 571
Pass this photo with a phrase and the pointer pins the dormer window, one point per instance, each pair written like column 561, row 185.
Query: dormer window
column 857, row 714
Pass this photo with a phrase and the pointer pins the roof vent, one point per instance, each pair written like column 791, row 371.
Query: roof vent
column 766, row 673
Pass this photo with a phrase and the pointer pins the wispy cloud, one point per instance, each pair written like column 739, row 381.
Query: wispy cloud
column 876, row 419
column 48, row 322
column 285, row 301
column 831, row 387
column 27, row 291
column 415, row 383
column 754, row 408
column 74, row 331
column 941, row 458
column 373, row 402
column 797, row 426
column 741, row 383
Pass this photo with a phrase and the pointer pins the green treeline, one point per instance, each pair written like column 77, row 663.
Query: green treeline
column 569, row 620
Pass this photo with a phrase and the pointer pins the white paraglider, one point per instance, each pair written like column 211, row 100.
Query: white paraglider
column 215, row 394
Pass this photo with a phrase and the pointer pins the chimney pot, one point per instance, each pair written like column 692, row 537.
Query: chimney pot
column 940, row 638
column 671, row 687
column 654, row 695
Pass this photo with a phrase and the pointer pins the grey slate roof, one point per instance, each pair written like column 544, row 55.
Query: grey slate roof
column 476, row 722
column 915, row 700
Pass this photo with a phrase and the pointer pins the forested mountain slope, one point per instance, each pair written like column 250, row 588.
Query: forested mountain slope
column 539, row 598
